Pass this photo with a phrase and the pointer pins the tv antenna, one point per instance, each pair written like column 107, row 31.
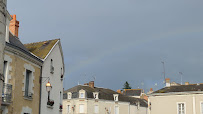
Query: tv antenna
column 181, row 77
column 164, row 70
column 94, row 77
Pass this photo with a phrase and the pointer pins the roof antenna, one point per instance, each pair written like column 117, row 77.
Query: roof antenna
column 94, row 77
column 181, row 76
column 164, row 71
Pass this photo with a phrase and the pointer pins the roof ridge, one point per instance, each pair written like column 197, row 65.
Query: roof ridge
column 41, row 41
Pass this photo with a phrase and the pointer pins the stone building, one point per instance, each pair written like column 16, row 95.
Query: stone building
column 177, row 99
column 50, row 52
column 4, row 23
column 88, row 99
column 22, row 70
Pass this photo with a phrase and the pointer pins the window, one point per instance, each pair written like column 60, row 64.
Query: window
column 181, row 108
column 81, row 108
column 81, row 95
column 115, row 97
column 5, row 67
column 68, row 109
column 69, row 95
column 96, row 109
column 27, row 83
column 201, row 107
column 96, row 95
column 116, row 110
column 51, row 67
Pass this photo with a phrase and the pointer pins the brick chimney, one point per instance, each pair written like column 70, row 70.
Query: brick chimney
column 14, row 26
column 119, row 91
column 187, row 83
column 91, row 84
column 168, row 82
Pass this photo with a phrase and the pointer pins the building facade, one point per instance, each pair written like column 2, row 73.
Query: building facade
column 4, row 23
column 87, row 99
column 50, row 52
column 22, row 70
column 177, row 99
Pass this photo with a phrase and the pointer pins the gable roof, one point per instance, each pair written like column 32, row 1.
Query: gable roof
column 105, row 94
column 181, row 88
column 132, row 92
column 15, row 43
column 41, row 49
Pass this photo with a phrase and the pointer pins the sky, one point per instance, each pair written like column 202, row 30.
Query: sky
column 113, row 41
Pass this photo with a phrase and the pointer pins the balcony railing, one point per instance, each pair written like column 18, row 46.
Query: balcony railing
column 6, row 93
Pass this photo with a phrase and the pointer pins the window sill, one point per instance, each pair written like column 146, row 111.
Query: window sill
column 48, row 106
column 28, row 98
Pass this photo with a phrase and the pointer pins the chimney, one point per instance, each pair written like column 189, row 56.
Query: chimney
column 187, row 83
column 151, row 89
column 168, row 83
column 14, row 26
column 91, row 84
column 119, row 91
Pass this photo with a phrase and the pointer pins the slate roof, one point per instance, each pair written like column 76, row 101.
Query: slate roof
column 105, row 94
column 14, row 42
column 181, row 88
column 132, row 92
column 41, row 49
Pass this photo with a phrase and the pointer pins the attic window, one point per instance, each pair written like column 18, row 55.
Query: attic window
column 115, row 96
column 96, row 95
column 51, row 67
column 82, row 93
column 69, row 95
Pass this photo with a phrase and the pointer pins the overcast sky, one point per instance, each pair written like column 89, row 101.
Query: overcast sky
column 119, row 40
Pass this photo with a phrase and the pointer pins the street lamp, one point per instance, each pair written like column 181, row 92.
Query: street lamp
column 48, row 88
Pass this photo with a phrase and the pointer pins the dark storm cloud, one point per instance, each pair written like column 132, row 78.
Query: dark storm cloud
column 119, row 40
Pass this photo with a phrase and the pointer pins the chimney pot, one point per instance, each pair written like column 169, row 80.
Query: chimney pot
column 168, row 83
column 187, row 83
column 14, row 17
column 14, row 26
column 151, row 89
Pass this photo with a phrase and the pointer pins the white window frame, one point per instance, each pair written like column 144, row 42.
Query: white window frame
column 81, row 111
column 201, row 103
column 115, row 110
column 69, row 95
column 115, row 96
column 178, row 107
column 82, row 92
column 96, row 111
column 96, row 95
column 68, row 109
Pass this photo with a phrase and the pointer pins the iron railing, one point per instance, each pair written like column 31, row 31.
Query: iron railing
column 6, row 93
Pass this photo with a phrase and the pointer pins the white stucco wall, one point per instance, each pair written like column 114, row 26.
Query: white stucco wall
column 104, row 105
column 55, row 80
column 168, row 104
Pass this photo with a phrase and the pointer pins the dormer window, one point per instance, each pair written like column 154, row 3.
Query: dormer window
column 115, row 96
column 96, row 95
column 51, row 67
column 82, row 93
column 69, row 95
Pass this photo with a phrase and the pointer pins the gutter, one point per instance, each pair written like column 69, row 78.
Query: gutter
column 40, row 81
column 175, row 93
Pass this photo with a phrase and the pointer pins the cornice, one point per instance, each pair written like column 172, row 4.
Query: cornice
column 23, row 55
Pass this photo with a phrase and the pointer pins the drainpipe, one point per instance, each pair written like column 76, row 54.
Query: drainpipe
column 40, row 81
